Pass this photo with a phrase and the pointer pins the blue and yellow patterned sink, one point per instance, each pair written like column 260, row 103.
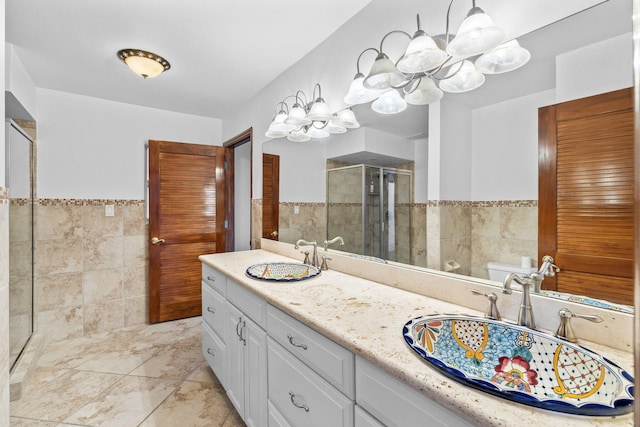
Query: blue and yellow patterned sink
column 521, row 365
column 282, row 271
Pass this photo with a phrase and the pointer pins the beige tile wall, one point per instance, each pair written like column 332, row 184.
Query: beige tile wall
column 4, row 306
column 90, row 269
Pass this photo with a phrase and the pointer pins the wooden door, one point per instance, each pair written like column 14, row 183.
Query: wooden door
column 270, row 195
column 586, row 195
column 186, row 219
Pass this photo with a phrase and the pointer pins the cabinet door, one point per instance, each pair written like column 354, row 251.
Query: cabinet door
column 215, row 353
column 235, row 357
column 254, row 339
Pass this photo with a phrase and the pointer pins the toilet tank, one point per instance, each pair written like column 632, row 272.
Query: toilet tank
column 498, row 271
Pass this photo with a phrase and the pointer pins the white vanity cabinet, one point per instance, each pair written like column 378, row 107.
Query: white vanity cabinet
column 247, row 354
column 311, row 378
column 214, row 320
column 394, row 403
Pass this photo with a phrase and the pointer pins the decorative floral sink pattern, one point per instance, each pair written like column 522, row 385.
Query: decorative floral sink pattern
column 282, row 271
column 522, row 365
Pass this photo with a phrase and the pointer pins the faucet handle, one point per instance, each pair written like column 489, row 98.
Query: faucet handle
column 565, row 331
column 306, row 257
column 492, row 312
column 324, row 265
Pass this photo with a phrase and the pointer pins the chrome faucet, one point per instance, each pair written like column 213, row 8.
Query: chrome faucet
column 525, row 314
column 314, row 258
column 332, row 241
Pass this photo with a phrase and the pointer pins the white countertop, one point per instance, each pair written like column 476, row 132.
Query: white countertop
column 367, row 318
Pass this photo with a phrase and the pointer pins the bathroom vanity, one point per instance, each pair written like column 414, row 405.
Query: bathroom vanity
column 329, row 350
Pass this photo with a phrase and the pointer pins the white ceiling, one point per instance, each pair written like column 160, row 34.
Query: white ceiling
column 221, row 52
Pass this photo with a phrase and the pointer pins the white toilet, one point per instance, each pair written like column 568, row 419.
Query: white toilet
column 498, row 271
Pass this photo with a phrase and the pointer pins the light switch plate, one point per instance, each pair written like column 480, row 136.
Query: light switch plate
column 109, row 210
column 296, row 210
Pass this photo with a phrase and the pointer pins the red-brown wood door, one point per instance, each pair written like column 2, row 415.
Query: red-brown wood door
column 270, row 195
column 586, row 195
column 186, row 219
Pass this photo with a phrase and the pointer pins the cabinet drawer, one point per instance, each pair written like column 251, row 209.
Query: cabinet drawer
column 249, row 303
column 214, row 311
column 215, row 353
column 333, row 362
column 214, row 278
column 394, row 403
column 301, row 395
column 364, row 419
column 276, row 419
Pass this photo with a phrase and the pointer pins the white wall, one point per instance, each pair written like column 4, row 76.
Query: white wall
column 18, row 81
column 455, row 151
column 94, row 148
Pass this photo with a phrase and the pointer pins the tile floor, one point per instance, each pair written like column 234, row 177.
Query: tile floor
column 151, row 375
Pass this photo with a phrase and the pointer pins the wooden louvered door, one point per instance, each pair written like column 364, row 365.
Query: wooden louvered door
column 586, row 195
column 270, row 195
column 186, row 219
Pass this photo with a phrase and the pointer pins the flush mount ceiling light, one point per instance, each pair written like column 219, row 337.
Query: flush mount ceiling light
column 457, row 62
column 306, row 120
column 143, row 63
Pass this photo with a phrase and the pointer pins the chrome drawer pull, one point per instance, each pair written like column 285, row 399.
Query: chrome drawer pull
column 211, row 279
column 296, row 404
column 210, row 352
column 211, row 310
column 238, row 328
column 302, row 346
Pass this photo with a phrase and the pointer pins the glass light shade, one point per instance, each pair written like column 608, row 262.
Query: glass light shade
column 297, row 117
column 346, row 118
column 476, row 34
column 143, row 63
column 426, row 93
column 335, row 127
column 319, row 111
column 316, row 133
column 298, row 135
column 421, row 55
column 504, row 58
column 462, row 78
column 358, row 94
column 278, row 128
column 383, row 74
column 389, row 103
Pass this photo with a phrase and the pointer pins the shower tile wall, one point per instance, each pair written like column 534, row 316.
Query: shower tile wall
column 309, row 224
column 19, row 273
column 4, row 306
column 90, row 269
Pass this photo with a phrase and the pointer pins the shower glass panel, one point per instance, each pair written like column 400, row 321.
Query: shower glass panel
column 19, row 181
column 370, row 207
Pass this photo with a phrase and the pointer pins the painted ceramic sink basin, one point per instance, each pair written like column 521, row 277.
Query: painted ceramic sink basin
column 282, row 271
column 521, row 365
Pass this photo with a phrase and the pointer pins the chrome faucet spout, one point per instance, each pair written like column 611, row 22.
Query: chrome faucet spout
column 525, row 314
column 314, row 259
column 336, row 239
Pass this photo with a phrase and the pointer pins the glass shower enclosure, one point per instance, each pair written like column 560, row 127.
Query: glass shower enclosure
column 370, row 208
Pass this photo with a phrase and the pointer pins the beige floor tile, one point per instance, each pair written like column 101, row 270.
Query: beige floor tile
column 194, row 404
column 62, row 396
column 70, row 353
column 233, row 420
column 127, row 403
column 26, row 422
column 171, row 362
column 204, row 374
column 117, row 362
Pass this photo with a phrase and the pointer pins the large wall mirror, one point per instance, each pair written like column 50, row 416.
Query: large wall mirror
column 471, row 161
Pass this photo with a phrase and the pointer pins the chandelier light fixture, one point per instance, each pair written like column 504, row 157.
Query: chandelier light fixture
column 143, row 63
column 304, row 120
column 431, row 66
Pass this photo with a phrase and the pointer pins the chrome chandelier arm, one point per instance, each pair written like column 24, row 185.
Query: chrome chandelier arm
column 360, row 56
column 392, row 32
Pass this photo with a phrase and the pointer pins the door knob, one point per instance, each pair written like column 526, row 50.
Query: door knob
column 155, row 240
column 274, row 233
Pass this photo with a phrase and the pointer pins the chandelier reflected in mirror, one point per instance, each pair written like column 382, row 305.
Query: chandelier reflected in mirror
column 304, row 120
column 431, row 66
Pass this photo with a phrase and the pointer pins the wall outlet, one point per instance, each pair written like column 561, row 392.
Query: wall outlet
column 109, row 210
column 296, row 210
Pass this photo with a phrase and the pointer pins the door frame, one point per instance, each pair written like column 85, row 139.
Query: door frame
column 243, row 137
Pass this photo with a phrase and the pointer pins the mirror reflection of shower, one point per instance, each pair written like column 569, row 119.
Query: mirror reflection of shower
column 370, row 207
